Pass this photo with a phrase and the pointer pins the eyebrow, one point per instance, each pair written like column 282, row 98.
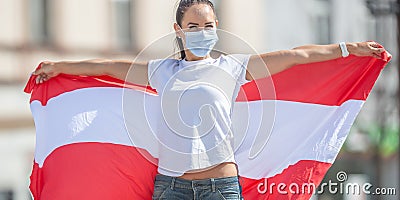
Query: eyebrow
column 191, row 23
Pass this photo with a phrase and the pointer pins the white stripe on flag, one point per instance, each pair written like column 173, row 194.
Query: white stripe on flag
column 84, row 116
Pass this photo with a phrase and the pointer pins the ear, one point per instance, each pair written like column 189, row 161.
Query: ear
column 216, row 23
column 178, row 30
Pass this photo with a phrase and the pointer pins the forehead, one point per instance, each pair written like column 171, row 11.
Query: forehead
column 198, row 13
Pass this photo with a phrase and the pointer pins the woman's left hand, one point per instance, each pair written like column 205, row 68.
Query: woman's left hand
column 365, row 49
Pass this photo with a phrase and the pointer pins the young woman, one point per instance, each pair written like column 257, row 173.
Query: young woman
column 196, row 152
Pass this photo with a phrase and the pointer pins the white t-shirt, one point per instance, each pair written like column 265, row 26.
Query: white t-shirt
column 197, row 100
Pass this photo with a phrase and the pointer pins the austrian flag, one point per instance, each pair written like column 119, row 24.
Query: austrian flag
column 94, row 137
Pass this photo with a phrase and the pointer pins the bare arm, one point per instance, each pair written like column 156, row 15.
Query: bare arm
column 115, row 68
column 267, row 64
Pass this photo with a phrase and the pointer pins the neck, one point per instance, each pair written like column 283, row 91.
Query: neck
column 191, row 57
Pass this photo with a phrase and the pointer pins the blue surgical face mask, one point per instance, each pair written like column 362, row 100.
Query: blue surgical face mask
column 201, row 43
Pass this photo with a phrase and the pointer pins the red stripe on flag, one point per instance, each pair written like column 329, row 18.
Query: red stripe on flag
column 329, row 83
column 94, row 171
column 108, row 171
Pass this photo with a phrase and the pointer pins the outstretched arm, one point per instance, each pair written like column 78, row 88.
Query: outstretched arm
column 115, row 68
column 267, row 64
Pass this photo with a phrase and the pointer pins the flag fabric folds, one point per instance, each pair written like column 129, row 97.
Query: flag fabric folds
column 85, row 149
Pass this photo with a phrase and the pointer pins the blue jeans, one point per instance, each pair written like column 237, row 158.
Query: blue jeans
column 166, row 187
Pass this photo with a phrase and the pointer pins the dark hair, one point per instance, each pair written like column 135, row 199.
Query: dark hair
column 180, row 11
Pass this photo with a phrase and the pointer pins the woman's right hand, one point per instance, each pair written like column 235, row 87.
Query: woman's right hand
column 46, row 71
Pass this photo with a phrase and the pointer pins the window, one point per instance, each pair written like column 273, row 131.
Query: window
column 322, row 29
column 6, row 195
column 321, row 21
column 39, row 21
column 122, row 24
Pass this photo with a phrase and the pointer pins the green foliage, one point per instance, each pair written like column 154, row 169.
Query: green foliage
column 390, row 141
column 384, row 139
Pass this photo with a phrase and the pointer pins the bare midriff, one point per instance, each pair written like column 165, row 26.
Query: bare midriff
column 226, row 169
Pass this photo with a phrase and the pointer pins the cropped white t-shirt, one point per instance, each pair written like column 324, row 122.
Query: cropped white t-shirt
column 197, row 100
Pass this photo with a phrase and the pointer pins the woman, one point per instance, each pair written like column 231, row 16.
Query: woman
column 203, row 144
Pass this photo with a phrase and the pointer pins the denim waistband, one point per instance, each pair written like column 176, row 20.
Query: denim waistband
column 202, row 183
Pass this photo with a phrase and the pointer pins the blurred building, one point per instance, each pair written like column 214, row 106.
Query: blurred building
column 37, row 30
